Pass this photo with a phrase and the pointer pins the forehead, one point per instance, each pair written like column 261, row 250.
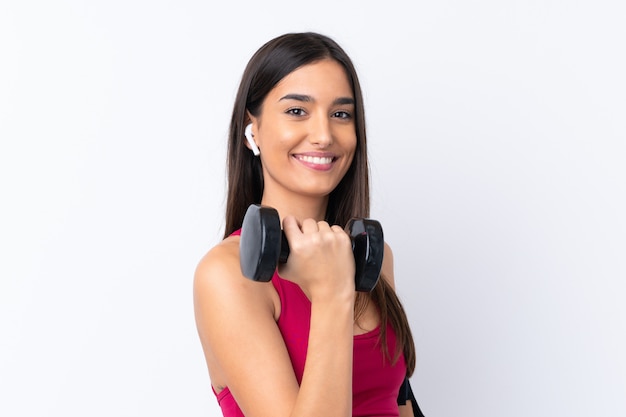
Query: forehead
column 322, row 78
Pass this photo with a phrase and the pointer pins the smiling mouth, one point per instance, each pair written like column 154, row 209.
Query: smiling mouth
column 316, row 160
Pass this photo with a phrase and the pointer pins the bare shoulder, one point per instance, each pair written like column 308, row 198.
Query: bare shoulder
column 220, row 261
column 387, row 269
column 220, row 256
column 218, row 279
column 225, row 300
column 217, row 269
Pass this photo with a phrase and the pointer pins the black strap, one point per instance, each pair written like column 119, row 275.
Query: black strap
column 406, row 394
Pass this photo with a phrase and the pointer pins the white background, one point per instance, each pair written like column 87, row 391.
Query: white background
column 497, row 132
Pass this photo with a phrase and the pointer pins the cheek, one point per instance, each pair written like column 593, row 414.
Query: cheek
column 281, row 139
column 352, row 146
column 351, row 160
column 292, row 135
column 348, row 137
column 350, row 150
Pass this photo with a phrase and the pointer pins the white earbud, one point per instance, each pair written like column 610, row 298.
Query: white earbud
column 248, row 134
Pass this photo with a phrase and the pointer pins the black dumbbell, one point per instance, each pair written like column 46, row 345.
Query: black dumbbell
column 263, row 245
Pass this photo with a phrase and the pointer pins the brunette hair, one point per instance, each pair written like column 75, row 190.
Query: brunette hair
column 270, row 64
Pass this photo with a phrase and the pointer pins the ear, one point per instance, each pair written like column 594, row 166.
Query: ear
column 251, row 119
column 249, row 135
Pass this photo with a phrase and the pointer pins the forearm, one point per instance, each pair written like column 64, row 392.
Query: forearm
column 326, row 388
column 406, row 410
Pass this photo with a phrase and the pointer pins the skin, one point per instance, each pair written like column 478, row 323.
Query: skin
column 307, row 115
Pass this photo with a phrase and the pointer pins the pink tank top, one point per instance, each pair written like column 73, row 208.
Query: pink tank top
column 375, row 381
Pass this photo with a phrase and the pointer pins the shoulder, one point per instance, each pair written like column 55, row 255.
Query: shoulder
column 218, row 268
column 387, row 268
column 220, row 287
column 222, row 258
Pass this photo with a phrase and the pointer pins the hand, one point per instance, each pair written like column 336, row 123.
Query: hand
column 320, row 259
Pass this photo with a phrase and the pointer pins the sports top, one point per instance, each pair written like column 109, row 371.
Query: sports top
column 375, row 380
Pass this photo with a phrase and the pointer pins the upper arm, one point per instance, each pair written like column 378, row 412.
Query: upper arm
column 406, row 410
column 387, row 268
column 241, row 340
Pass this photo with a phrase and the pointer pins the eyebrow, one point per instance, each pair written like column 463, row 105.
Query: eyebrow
column 308, row 99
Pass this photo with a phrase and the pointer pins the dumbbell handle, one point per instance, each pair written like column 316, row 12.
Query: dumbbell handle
column 284, row 248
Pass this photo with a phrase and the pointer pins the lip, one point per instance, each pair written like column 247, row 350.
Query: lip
column 319, row 161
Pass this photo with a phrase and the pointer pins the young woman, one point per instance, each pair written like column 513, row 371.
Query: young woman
column 304, row 344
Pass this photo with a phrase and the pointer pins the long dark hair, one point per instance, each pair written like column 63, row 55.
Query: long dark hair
column 270, row 64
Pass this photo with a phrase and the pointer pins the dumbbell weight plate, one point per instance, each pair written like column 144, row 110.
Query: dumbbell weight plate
column 259, row 247
column 368, row 245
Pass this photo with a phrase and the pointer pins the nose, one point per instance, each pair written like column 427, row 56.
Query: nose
column 320, row 133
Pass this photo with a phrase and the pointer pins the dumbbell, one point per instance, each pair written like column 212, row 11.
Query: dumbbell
column 263, row 246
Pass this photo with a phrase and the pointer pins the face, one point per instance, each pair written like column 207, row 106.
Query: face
column 306, row 131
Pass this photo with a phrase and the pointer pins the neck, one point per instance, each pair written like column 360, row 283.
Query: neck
column 301, row 208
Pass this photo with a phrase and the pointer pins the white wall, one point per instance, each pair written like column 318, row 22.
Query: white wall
column 497, row 143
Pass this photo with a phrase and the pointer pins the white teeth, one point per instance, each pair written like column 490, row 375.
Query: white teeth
column 316, row 159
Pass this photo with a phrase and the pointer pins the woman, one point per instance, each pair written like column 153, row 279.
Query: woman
column 303, row 344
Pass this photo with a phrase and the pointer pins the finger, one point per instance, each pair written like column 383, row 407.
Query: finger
column 336, row 228
column 309, row 226
column 291, row 226
column 323, row 226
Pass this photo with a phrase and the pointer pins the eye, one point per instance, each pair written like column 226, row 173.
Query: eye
column 296, row 111
column 342, row 115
